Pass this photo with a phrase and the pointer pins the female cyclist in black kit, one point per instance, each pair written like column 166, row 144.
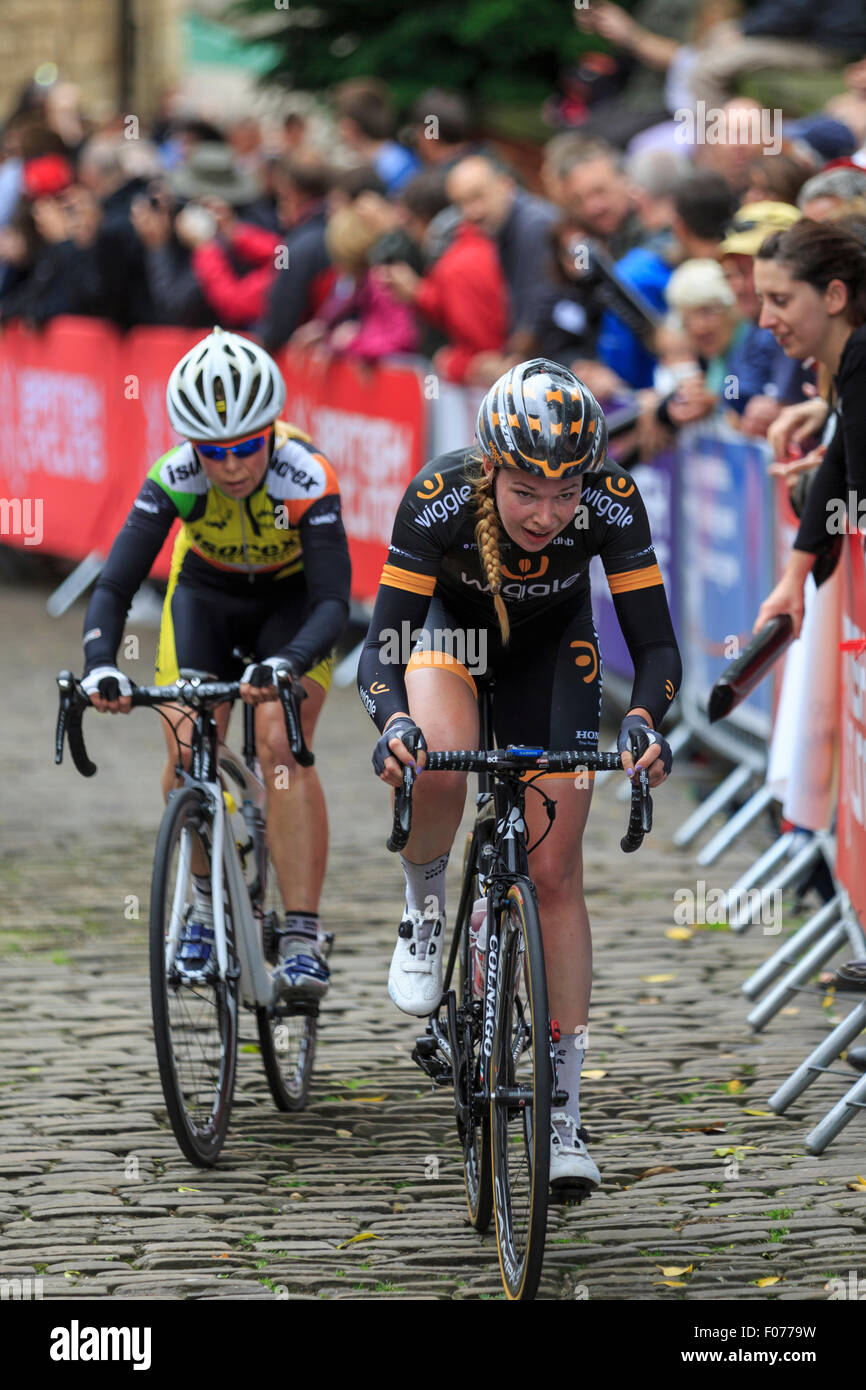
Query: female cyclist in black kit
column 490, row 553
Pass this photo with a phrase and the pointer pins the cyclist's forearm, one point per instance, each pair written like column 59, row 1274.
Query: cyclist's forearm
column 645, row 620
column 128, row 565
column 315, row 639
column 397, row 616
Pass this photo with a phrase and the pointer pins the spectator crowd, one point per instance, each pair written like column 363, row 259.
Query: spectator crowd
column 630, row 258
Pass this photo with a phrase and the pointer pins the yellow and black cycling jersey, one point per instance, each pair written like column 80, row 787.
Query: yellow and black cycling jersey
column 291, row 525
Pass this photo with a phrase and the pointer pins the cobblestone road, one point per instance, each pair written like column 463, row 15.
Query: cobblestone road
column 97, row 1202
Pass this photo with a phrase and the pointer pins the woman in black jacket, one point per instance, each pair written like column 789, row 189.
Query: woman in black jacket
column 812, row 283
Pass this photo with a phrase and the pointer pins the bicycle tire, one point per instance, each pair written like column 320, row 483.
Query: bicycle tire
column 287, row 1042
column 195, row 1025
column 474, row 1137
column 521, row 1062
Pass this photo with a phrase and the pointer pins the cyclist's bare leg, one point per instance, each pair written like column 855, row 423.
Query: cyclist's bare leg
column 297, row 818
column 556, row 868
column 180, row 718
column 445, row 710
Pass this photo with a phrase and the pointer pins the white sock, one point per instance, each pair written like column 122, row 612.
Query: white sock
column 425, row 881
column 569, row 1061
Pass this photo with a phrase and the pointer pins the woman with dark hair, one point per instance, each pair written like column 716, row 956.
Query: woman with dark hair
column 811, row 280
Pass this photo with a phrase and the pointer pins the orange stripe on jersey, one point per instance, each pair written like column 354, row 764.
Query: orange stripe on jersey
column 635, row 579
column 398, row 578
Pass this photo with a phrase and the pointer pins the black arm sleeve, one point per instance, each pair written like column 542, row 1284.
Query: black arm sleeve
column 397, row 614
column 328, row 573
column 646, row 625
column 639, row 600
column 128, row 565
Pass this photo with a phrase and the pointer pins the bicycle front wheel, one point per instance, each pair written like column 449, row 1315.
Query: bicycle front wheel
column 195, row 1020
column 521, row 1087
column 473, row 1118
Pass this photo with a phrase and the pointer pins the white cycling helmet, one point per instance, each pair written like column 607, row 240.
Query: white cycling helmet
column 224, row 388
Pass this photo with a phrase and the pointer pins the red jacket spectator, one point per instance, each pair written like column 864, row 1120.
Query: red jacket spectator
column 465, row 296
column 238, row 299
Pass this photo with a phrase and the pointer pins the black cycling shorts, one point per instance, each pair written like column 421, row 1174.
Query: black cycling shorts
column 548, row 680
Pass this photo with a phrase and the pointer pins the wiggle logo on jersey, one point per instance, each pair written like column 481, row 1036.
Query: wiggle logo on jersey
column 522, row 591
column 620, row 487
column 606, row 505
column 447, row 505
column 589, row 657
column 429, row 488
column 526, row 571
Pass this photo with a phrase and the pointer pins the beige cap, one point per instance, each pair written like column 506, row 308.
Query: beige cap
column 753, row 223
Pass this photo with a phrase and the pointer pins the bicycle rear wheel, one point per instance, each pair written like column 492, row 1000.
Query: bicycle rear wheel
column 473, row 1118
column 195, row 1022
column 287, row 1031
column 521, row 1086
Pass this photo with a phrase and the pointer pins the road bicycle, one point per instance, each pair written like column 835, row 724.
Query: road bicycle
column 491, row 1037
column 218, row 811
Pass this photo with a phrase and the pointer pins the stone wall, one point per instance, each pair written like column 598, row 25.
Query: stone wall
column 83, row 39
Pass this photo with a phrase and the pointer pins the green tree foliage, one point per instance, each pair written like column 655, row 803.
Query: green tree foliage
column 491, row 50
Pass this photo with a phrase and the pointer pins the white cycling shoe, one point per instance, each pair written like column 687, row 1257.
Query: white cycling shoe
column 570, row 1163
column 415, row 977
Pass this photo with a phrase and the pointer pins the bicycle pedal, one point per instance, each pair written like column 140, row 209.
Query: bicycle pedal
column 426, row 1054
column 570, row 1194
column 307, row 1008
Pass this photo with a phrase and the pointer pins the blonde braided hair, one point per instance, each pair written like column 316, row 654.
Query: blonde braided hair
column 487, row 539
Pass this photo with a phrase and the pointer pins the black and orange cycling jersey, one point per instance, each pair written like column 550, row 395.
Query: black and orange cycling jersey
column 275, row 563
column 549, row 674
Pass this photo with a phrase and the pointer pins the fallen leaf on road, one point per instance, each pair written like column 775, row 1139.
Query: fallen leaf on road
column 344, row 1134
column 708, row 1129
column 650, row 999
column 651, row 1172
column 671, row 1283
column 678, row 1269
column 197, row 1190
column 371, row 1100
column 858, row 1186
column 679, row 933
column 771, row 1279
column 732, row 1087
column 765, row 1114
column 593, row 1075
column 250, row 1047
column 790, row 1012
column 737, row 1149
column 657, row 979
column 362, row 1235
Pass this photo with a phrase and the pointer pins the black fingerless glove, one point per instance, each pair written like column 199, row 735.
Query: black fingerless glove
column 636, row 722
column 407, row 731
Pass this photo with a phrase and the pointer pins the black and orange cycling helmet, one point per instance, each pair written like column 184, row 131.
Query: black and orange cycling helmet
column 539, row 417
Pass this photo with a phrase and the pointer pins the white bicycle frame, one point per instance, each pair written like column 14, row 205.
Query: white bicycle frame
column 255, row 984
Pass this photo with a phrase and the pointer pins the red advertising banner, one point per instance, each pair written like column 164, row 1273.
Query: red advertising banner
column 371, row 425
column 84, row 418
column 56, row 457
column 851, row 823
